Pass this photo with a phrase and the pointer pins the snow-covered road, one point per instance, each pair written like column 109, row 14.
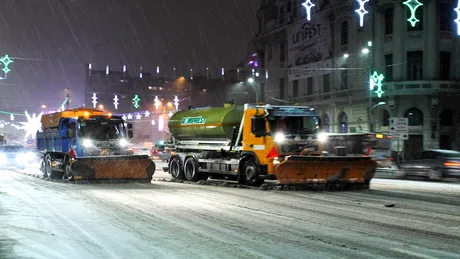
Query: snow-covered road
column 43, row 219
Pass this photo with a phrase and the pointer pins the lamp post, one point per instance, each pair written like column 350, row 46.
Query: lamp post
column 252, row 82
column 372, row 114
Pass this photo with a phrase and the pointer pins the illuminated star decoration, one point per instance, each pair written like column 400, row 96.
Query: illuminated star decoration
column 6, row 60
column 130, row 116
column 94, row 100
column 138, row 116
column 115, row 102
column 413, row 5
column 170, row 114
column 136, row 101
column 124, row 117
column 12, row 117
column 156, row 102
column 147, row 114
column 176, row 102
column 457, row 21
column 376, row 80
column 308, row 5
column 361, row 11
column 32, row 125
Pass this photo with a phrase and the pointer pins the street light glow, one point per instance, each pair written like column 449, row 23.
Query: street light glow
column 369, row 43
column 251, row 80
column 365, row 50
column 346, row 55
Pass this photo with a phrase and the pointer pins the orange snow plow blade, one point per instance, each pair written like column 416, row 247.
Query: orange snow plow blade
column 322, row 170
column 113, row 167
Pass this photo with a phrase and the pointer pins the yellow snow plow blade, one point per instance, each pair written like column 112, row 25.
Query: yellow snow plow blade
column 113, row 167
column 322, row 169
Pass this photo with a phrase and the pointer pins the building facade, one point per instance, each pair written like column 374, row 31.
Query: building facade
column 326, row 62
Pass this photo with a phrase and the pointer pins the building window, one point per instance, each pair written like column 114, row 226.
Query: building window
column 282, row 52
column 414, row 65
column 281, row 16
column 310, row 86
column 446, row 118
column 295, row 88
column 326, row 83
column 281, row 88
column 388, row 21
column 414, row 117
column 385, row 118
column 389, row 67
column 419, row 14
column 343, row 123
column 445, row 12
column 325, row 123
column 444, row 65
column 344, row 33
column 344, row 78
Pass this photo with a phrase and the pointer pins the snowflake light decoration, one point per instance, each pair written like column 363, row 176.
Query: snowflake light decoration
column 124, row 117
column 136, row 100
column 156, row 102
column 176, row 102
column 457, row 21
column 413, row 5
column 33, row 124
column 138, row 116
column 130, row 116
column 115, row 102
column 376, row 81
column 6, row 60
column 147, row 114
column 308, row 5
column 361, row 11
column 94, row 100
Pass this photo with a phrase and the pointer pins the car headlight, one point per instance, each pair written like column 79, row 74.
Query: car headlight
column 123, row 142
column 87, row 143
column 322, row 137
column 279, row 137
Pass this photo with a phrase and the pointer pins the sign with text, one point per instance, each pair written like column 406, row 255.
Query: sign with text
column 399, row 127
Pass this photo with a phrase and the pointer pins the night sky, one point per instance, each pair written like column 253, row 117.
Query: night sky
column 51, row 40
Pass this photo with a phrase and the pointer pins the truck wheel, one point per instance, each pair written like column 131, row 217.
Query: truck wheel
column 48, row 168
column 176, row 169
column 67, row 172
column 249, row 174
column 191, row 170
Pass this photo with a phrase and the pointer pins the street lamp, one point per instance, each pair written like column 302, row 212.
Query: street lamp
column 372, row 114
column 250, row 80
column 365, row 50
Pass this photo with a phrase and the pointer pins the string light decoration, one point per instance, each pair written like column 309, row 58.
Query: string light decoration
column 413, row 5
column 308, row 5
column 138, row 116
column 156, row 102
column 457, row 21
column 130, row 116
column 136, row 100
column 376, row 81
column 147, row 114
column 176, row 102
column 115, row 102
column 33, row 124
column 94, row 100
column 361, row 11
column 6, row 61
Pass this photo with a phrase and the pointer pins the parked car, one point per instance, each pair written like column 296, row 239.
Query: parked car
column 16, row 156
column 435, row 164
column 161, row 152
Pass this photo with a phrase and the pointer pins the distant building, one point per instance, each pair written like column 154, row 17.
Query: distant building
column 327, row 62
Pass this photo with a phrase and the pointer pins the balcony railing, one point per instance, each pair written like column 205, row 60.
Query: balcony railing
column 421, row 87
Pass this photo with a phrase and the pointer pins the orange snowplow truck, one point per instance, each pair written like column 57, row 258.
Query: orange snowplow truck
column 87, row 144
column 254, row 143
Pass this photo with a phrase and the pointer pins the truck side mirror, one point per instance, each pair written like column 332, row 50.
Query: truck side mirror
column 258, row 126
column 130, row 133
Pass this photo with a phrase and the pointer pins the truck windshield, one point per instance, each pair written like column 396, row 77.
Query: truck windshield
column 294, row 124
column 102, row 129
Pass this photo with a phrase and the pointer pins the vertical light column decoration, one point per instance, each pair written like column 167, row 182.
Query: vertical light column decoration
column 176, row 102
column 361, row 11
column 156, row 102
column 136, row 100
column 413, row 5
column 12, row 117
column 457, row 21
column 308, row 5
column 115, row 102
column 376, row 81
column 94, row 100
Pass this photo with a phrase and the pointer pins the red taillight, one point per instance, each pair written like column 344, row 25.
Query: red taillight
column 452, row 164
column 392, row 158
column 273, row 153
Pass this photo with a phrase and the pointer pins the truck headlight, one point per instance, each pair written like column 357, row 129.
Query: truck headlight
column 87, row 143
column 322, row 137
column 279, row 137
column 123, row 142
